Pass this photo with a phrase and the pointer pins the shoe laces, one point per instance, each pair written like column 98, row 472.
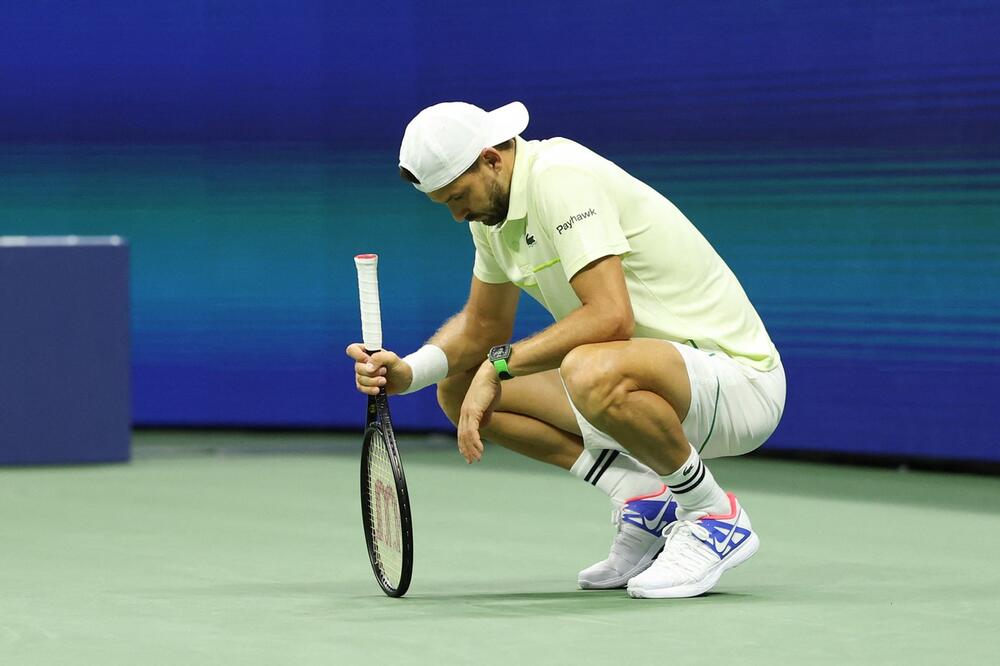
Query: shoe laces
column 616, row 515
column 627, row 541
column 685, row 549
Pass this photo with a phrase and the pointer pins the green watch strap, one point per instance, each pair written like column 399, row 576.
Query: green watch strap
column 500, row 365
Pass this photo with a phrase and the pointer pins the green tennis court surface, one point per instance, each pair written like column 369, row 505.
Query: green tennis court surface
column 215, row 549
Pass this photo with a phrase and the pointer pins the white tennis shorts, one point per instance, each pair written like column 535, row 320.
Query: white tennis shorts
column 734, row 408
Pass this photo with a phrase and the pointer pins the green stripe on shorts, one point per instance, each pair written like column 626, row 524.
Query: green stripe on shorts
column 715, row 413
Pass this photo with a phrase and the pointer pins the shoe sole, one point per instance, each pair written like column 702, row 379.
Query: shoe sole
column 738, row 557
column 621, row 581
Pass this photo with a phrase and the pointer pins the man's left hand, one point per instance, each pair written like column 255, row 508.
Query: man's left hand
column 481, row 399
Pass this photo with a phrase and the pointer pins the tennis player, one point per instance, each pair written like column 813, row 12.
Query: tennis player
column 656, row 361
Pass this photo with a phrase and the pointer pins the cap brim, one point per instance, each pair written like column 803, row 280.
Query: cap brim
column 506, row 122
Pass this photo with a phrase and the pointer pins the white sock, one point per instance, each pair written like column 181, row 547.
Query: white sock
column 696, row 491
column 618, row 474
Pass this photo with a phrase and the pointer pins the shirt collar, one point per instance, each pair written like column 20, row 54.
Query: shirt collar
column 518, row 206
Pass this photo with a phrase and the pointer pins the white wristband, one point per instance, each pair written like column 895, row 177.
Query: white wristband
column 429, row 365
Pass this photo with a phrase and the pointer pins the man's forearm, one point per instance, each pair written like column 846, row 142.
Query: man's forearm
column 465, row 341
column 545, row 350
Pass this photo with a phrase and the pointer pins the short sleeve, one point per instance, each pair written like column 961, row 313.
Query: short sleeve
column 582, row 220
column 485, row 267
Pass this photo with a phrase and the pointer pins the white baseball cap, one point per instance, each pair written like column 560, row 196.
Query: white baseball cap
column 444, row 140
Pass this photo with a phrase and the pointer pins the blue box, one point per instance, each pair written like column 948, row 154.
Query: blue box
column 64, row 350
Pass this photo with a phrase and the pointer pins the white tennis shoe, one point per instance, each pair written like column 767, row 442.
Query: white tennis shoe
column 641, row 522
column 696, row 554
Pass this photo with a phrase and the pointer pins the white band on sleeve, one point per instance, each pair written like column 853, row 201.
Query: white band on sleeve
column 429, row 365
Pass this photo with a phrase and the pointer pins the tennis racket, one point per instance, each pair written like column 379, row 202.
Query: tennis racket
column 385, row 502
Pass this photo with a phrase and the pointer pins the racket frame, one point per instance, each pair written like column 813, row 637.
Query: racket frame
column 379, row 420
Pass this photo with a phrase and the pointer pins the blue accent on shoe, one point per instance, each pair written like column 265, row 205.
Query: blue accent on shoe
column 723, row 536
column 651, row 515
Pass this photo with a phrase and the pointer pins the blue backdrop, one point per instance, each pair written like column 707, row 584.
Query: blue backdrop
column 842, row 158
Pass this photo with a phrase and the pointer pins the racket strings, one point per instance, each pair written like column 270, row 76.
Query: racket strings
column 383, row 505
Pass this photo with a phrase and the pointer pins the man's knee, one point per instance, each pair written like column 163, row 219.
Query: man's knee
column 595, row 379
column 600, row 377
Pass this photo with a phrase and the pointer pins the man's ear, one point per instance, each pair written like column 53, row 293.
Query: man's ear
column 492, row 158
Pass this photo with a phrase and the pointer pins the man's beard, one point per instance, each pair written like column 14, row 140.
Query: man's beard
column 497, row 210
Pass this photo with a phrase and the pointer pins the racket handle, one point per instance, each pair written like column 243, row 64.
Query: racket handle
column 371, row 313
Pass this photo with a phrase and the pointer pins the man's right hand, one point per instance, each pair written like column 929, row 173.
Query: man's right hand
column 381, row 369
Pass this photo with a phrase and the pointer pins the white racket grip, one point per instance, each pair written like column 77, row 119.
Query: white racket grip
column 371, row 313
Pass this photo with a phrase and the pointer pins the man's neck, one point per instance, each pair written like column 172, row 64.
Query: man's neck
column 509, row 176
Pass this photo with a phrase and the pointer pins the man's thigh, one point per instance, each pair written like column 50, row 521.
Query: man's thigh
column 725, row 409
column 541, row 396
column 734, row 408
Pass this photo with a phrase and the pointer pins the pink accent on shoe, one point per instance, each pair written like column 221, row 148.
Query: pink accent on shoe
column 642, row 497
column 732, row 510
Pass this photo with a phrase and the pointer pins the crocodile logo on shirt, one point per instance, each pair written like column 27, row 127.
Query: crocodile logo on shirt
column 573, row 219
column 529, row 239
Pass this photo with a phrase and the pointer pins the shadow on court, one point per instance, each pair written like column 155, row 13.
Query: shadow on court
column 354, row 601
column 528, row 604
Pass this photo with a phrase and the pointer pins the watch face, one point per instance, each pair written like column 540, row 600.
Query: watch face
column 500, row 352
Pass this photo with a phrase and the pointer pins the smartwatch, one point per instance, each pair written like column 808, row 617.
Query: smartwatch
column 498, row 356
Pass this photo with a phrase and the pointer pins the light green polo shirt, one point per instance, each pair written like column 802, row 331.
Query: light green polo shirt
column 570, row 206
